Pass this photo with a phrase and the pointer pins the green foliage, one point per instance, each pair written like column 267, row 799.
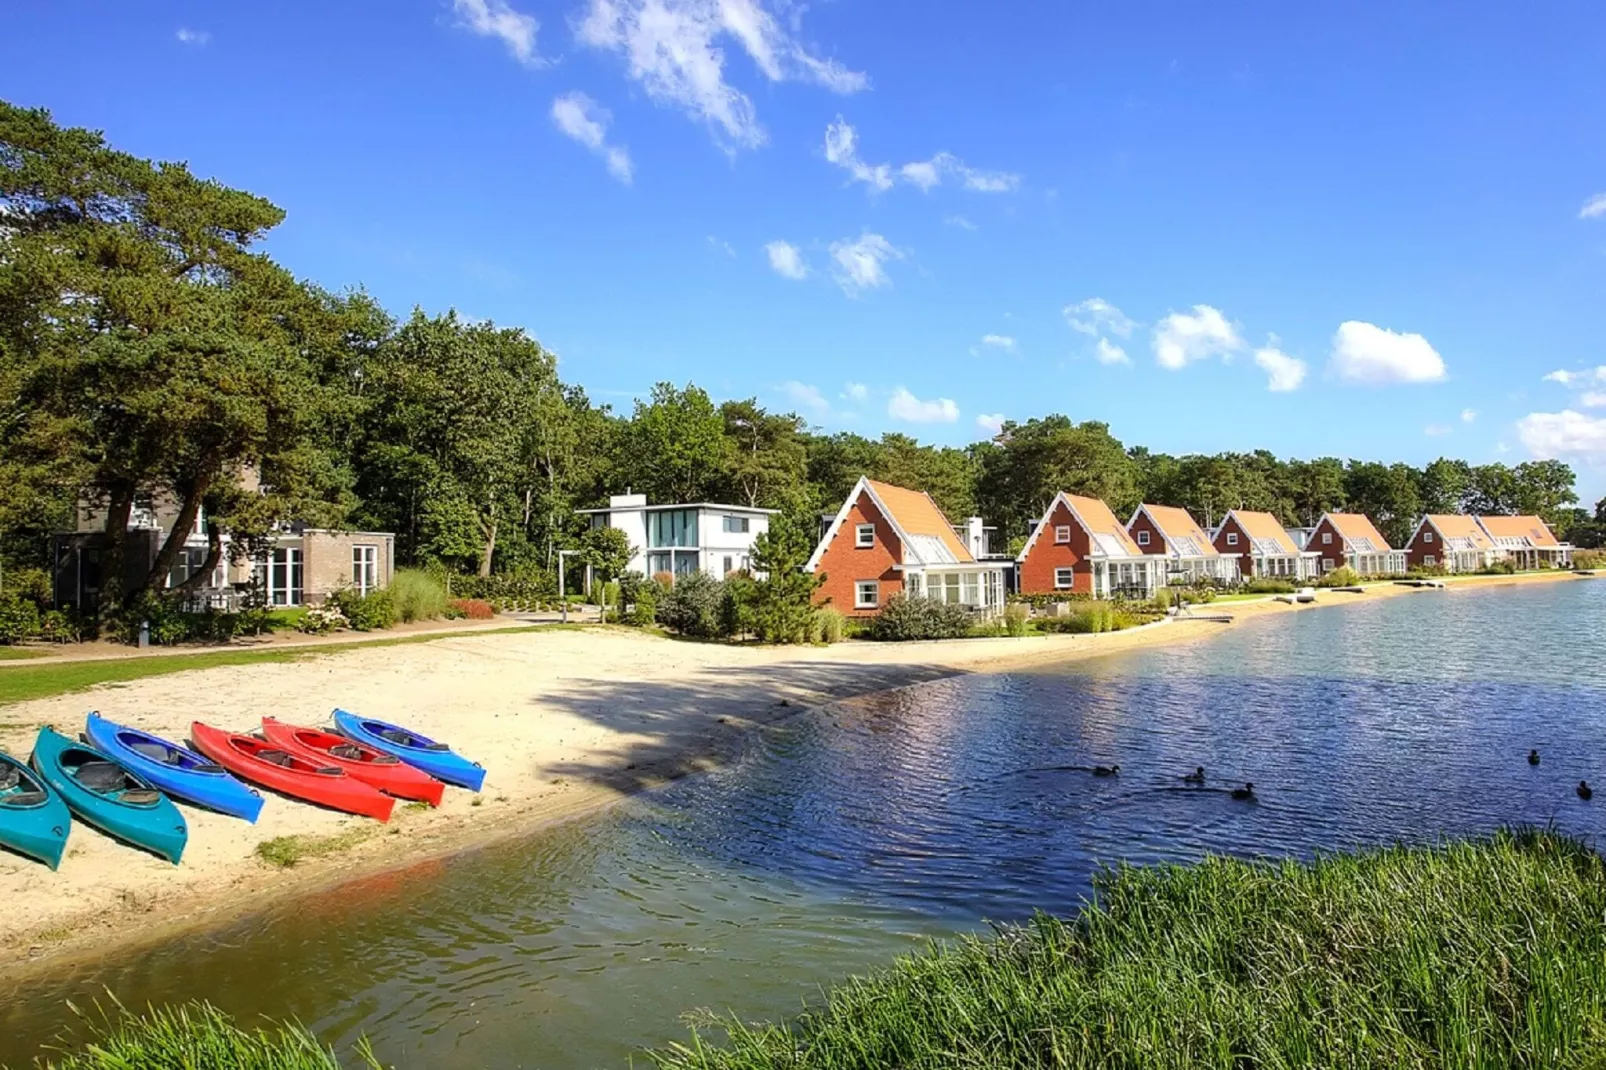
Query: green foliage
column 606, row 550
column 644, row 608
column 692, row 606
column 1342, row 576
column 1589, row 559
column 19, row 619
column 417, row 595
column 904, row 618
column 30, row 583
column 782, row 607
column 1487, row 953
column 1017, row 619
column 675, row 448
column 738, row 602
column 1267, row 585
column 321, row 620
column 1503, row 567
column 827, row 626
column 374, row 611
column 1091, row 618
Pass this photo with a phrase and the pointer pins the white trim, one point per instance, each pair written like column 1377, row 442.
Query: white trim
column 1062, row 534
column 858, row 594
column 836, row 525
column 859, row 533
column 1070, row 578
column 1141, row 536
column 1232, row 538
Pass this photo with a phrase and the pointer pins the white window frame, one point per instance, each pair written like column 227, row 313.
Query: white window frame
column 1427, row 536
column 1327, row 564
column 1143, row 538
column 1064, row 579
column 365, row 567
column 1062, row 534
column 1232, row 538
column 864, row 537
column 737, row 525
column 730, row 562
column 1327, row 538
column 1429, row 560
column 859, row 589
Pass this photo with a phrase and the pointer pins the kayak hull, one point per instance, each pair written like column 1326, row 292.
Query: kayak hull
column 34, row 827
column 436, row 759
column 375, row 768
column 151, row 823
column 180, row 773
column 296, row 776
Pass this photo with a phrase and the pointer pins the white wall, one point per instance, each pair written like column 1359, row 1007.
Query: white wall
column 717, row 543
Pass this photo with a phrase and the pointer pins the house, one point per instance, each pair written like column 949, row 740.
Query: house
column 299, row 566
column 1352, row 539
column 887, row 540
column 1172, row 534
column 1079, row 547
column 1527, row 541
column 1263, row 547
column 681, row 538
column 1451, row 541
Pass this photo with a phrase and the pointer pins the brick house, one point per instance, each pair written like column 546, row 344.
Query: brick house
column 1173, row 535
column 1451, row 541
column 1527, row 541
column 1079, row 547
column 1352, row 539
column 887, row 540
column 1263, row 547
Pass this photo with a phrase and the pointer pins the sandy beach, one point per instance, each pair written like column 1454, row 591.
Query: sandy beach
column 565, row 721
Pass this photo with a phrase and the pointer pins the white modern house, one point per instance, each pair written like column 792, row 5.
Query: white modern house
column 687, row 537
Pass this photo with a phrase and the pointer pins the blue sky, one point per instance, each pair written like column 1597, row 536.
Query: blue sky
column 1371, row 230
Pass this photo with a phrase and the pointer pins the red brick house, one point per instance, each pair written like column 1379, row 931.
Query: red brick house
column 1527, row 541
column 1079, row 547
column 1263, row 546
column 1352, row 539
column 1450, row 541
column 1172, row 534
column 887, row 540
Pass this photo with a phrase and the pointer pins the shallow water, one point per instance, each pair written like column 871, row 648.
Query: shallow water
column 853, row 833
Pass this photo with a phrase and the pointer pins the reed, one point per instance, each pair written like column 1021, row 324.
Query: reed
column 1484, row 954
column 417, row 595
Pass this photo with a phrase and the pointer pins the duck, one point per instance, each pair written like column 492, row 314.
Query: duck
column 1533, row 757
column 1106, row 770
column 1585, row 792
column 1196, row 777
column 1245, row 793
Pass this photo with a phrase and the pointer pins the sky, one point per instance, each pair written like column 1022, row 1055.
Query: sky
column 1368, row 230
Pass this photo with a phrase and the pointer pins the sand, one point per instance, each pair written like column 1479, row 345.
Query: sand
column 565, row 721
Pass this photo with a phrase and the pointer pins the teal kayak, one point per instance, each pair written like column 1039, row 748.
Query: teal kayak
column 33, row 819
column 102, row 793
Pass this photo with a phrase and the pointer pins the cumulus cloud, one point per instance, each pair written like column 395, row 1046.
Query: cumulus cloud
column 861, row 263
column 188, row 36
column 998, row 341
column 1564, row 435
column 805, row 396
column 786, row 260
column 1107, row 352
column 1095, row 316
column 1366, row 353
column 497, row 18
column 857, row 392
column 1592, row 399
column 1283, row 372
column 841, row 148
column 586, row 121
column 990, row 422
column 1594, row 208
column 1468, row 415
column 673, row 49
column 1183, row 337
column 905, row 406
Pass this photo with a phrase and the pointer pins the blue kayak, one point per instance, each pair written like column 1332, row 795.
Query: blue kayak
column 420, row 752
column 102, row 793
column 33, row 819
column 181, row 773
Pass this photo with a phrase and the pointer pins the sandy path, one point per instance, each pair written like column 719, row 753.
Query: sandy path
column 564, row 721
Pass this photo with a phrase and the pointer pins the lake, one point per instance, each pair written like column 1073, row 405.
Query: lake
column 856, row 832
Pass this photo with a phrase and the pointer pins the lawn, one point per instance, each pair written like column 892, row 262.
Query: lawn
column 11, row 653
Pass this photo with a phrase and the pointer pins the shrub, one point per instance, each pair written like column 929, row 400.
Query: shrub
column 827, row 625
column 737, row 601
column 1097, row 617
column 1428, row 570
column 1017, row 619
column 1343, row 576
column 30, row 583
column 644, row 607
column 417, row 595
column 1267, row 585
column 1504, row 567
column 472, row 609
column 61, row 626
column 905, row 618
column 630, row 587
column 692, row 606
column 374, row 611
column 321, row 620
column 19, row 619
column 1589, row 559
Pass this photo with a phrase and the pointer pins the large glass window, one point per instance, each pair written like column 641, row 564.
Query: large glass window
column 672, row 527
column 736, row 524
column 364, row 568
column 284, row 578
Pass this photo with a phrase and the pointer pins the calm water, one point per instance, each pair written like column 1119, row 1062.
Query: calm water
column 855, row 832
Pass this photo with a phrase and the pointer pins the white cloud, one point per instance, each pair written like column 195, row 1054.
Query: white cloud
column 673, row 49
column 1283, row 373
column 905, row 406
column 855, row 392
column 1468, row 415
column 861, row 263
column 1107, row 352
column 958, row 221
column 583, row 119
column 923, row 175
column 998, row 341
column 1182, row 338
column 1593, row 399
column 786, row 260
column 841, row 148
column 723, row 246
column 497, row 18
column 990, row 422
column 1096, row 315
column 1594, row 208
column 805, row 396
column 1366, row 353
column 1436, row 430
column 929, row 173
column 1568, row 378
column 1564, row 434
column 188, row 36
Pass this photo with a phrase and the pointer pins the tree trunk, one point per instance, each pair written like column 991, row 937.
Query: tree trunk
column 114, row 553
column 214, row 555
column 489, row 527
column 176, row 538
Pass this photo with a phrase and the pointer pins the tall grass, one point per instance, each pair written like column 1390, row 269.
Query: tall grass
column 1487, row 954
column 417, row 595
column 827, row 625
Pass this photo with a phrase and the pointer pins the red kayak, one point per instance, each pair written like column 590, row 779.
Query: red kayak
column 373, row 767
column 273, row 767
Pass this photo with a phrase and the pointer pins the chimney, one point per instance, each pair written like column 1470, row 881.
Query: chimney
column 975, row 537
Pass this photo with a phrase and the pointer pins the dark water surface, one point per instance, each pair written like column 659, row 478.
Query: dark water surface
column 853, row 833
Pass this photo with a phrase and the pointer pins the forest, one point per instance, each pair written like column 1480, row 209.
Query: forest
column 147, row 345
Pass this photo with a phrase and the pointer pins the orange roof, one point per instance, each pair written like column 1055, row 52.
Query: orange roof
column 1358, row 528
column 1100, row 521
column 1265, row 528
column 915, row 514
column 1519, row 527
column 1178, row 526
column 1460, row 526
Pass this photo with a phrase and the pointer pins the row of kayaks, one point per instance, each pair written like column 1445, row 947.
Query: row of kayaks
column 123, row 781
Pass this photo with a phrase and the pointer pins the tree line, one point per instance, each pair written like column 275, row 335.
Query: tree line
column 147, row 346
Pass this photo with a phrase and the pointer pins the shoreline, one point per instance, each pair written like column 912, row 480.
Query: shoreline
column 613, row 712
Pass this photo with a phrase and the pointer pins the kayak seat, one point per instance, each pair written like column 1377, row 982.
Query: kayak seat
column 347, row 750
column 10, row 777
column 276, row 757
column 331, row 770
column 436, row 747
column 103, row 776
column 397, row 736
column 210, row 767
column 156, row 753
column 139, row 797
column 24, row 798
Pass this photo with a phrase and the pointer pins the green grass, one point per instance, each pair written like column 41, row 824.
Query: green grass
column 282, row 852
column 11, row 653
column 43, row 681
column 1487, row 954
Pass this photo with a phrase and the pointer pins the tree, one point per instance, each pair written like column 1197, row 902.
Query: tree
column 783, row 601
column 1491, row 491
column 769, row 462
column 607, row 550
column 1318, row 487
column 1038, row 459
column 675, row 449
column 1444, row 485
column 1543, row 489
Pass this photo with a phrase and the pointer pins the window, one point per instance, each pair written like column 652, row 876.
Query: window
column 1232, row 538
column 1327, row 564
column 1063, row 579
column 284, row 577
column 1327, row 538
column 864, row 536
column 672, row 527
column 736, row 524
column 866, row 594
column 1143, row 538
column 1062, row 535
column 1427, row 536
column 1429, row 560
column 365, row 568
column 730, row 562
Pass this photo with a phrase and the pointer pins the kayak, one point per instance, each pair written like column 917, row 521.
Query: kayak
column 33, row 819
column 375, row 768
column 180, row 773
column 261, row 762
column 420, row 752
column 102, row 793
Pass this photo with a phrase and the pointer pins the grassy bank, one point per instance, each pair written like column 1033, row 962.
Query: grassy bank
column 1487, row 954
